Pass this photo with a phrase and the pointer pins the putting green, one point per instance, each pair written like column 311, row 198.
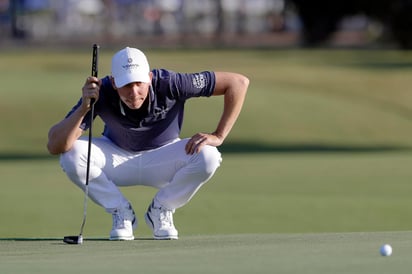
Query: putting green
column 243, row 253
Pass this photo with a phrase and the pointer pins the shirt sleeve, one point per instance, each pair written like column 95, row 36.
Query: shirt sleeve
column 83, row 125
column 187, row 85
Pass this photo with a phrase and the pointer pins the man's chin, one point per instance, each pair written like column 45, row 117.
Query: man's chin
column 134, row 106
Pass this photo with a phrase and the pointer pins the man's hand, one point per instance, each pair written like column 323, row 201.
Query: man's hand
column 90, row 90
column 195, row 144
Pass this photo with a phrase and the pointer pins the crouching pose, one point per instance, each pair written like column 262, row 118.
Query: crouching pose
column 142, row 111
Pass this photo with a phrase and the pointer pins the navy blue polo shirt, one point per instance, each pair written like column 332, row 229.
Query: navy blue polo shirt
column 160, row 118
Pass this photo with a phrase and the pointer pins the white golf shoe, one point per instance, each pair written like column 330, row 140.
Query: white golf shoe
column 124, row 221
column 160, row 220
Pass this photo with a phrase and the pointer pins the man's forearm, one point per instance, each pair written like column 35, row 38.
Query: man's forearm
column 233, row 102
column 62, row 135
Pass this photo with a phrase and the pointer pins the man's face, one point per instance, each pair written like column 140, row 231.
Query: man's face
column 134, row 94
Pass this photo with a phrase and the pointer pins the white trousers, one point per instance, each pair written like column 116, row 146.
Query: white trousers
column 178, row 176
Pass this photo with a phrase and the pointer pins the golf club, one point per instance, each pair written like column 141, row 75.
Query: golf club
column 79, row 239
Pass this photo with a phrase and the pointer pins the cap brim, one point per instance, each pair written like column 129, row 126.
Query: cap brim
column 128, row 78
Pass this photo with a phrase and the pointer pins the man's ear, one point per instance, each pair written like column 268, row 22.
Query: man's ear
column 151, row 76
column 113, row 84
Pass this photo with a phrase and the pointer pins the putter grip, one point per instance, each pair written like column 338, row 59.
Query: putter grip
column 95, row 64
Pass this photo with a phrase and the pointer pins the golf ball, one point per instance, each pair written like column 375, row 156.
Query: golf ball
column 386, row 250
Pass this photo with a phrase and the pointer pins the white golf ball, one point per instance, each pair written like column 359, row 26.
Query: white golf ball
column 386, row 250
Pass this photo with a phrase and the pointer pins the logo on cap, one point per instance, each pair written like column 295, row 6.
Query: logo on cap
column 130, row 66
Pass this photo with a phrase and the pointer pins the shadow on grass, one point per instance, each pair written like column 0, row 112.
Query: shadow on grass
column 384, row 65
column 22, row 239
column 31, row 239
column 247, row 147
column 18, row 156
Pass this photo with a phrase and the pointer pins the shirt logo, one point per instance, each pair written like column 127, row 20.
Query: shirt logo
column 199, row 81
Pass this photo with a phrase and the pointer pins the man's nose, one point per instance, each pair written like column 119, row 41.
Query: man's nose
column 135, row 89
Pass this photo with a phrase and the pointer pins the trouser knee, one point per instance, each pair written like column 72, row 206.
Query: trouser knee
column 73, row 162
column 209, row 159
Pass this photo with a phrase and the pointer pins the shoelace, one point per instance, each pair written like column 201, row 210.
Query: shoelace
column 166, row 217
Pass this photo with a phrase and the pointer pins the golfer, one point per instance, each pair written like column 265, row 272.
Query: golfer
column 142, row 111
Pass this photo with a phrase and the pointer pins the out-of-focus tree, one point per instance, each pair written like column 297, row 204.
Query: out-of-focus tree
column 320, row 18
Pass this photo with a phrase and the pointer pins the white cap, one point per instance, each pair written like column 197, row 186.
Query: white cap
column 130, row 65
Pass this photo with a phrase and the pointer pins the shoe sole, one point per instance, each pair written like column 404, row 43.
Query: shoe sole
column 121, row 238
column 150, row 225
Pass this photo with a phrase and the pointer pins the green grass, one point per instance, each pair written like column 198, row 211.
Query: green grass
column 246, row 253
column 327, row 97
column 315, row 174
column 250, row 193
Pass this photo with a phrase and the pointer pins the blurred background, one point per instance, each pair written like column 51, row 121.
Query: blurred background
column 239, row 23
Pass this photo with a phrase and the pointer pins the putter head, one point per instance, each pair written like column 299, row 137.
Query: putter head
column 73, row 240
